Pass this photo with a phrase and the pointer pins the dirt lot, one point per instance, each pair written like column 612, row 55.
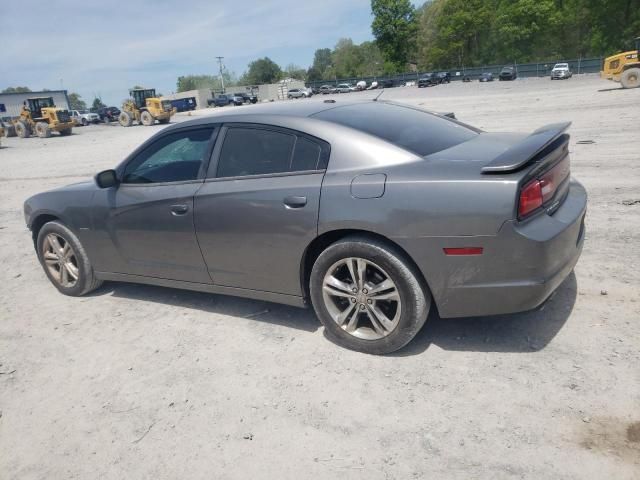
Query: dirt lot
column 143, row 382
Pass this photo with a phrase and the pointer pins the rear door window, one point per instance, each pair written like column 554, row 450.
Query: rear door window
column 260, row 151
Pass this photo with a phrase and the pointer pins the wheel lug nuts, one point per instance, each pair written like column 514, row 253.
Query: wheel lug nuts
column 354, row 290
column 361, row 307
column 369, row 301
column 353, row 300
column 365, row 291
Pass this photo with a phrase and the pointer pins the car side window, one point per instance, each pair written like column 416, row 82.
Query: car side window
column 257, row 151
column 252, row 151
column 176, row 157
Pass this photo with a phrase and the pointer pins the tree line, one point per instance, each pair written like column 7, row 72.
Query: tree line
column 447, row 34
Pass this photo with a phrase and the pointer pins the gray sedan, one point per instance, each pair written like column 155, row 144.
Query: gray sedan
column 312, row 203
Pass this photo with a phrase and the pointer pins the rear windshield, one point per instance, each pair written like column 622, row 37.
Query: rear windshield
column 415, row 130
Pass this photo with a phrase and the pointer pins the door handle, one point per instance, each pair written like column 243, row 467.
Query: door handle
column 294, row 201
column 177, row 210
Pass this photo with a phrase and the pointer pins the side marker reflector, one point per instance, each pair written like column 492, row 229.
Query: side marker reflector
column 463, row 251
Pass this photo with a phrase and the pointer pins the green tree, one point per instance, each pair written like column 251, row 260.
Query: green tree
column 97, row 103
column 295, row 71
column 322, row 62
column 394, row 28
column 263, row 70
column 75, row 102
column 16, row 90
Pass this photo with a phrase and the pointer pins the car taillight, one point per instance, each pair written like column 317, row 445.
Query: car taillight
column 530, row 198
column 542, row 189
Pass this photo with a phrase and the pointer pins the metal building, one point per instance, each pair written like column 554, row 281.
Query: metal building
column 11, row 103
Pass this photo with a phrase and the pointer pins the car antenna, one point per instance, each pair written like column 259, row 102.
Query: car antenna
column 379, row 95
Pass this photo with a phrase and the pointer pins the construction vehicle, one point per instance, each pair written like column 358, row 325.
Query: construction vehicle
column 624, row 67
column 40, row 116
column 145, row 108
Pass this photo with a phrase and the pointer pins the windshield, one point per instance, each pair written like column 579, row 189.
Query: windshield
column 562, row 65
column 415, row 130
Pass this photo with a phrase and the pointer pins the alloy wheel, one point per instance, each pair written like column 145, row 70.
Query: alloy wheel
column 361, row 298
column 60, row 259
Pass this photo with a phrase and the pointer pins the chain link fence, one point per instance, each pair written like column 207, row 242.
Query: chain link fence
column 538, row 69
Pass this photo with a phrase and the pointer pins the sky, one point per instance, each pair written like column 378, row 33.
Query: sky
column 103, row 48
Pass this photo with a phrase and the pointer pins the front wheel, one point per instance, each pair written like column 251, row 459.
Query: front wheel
column 64, row 260
column 368, row 296
column 147, row 119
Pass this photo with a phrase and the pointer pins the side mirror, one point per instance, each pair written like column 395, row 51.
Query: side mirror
column 106, row 179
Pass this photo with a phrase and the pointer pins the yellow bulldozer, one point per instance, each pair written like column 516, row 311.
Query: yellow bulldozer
column 145, row 108
column 624, row 67
column 40, row 116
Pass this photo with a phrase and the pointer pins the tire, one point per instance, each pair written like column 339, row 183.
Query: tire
column 22, row 129
column 409, row 308
column 86, row 280
column 125, row 119
column 630, row 78
column 43, row 130
column 146, row 118
column 66, row 132
column 10, row 131
column 84, row 122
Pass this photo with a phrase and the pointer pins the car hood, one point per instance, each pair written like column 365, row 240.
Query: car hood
column 74, row 187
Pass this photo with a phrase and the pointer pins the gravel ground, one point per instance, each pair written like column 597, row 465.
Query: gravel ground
column 147, row 382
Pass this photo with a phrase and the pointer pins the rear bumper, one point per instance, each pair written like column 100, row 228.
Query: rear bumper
column 519, row 268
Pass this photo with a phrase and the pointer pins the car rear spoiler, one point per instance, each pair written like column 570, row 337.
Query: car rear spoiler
column 521, row 153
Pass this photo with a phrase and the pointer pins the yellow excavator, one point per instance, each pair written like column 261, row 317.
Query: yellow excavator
column 624, row 67
column 40, row 116
column 145, row 108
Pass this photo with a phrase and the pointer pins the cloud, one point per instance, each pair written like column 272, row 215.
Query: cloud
column 106, row 47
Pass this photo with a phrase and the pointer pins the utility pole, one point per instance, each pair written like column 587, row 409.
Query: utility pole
column 221, row 67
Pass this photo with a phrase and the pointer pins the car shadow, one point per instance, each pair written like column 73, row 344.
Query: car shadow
column 277, row 314
column 516, row 333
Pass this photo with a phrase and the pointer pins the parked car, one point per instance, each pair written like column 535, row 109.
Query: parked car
column 249, row 97
column 561, row 71
column 108, row 114
column 389, row 83
column 83, row 117
column 184, row 104
column 326, row 89
column 486, row 77
column 221, row 100
column 299, row 93
column 508, row 73
column 321, row 206
column 443, row 77
column 344, row 88
column 238, row 98
column 427, row 80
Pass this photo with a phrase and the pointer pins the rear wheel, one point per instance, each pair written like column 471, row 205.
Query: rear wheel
column 630, row 78
column 10, row 131
column 367, row 296
column 64, row 260
column 22, row 129
column 125, row 119
column 147, row 119
column 84, row 122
